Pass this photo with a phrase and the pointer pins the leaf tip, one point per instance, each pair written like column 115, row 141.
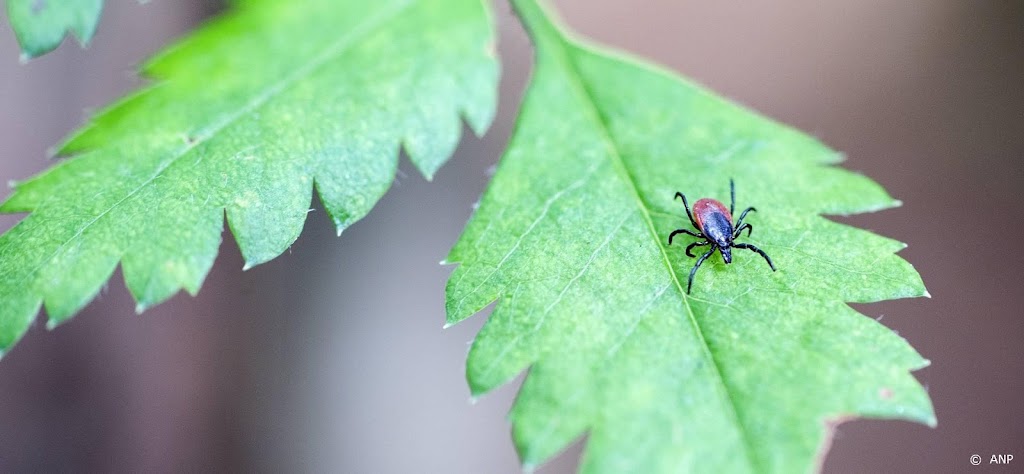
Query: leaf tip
column 83, row 37
column 7, row 208
column 141, row 307
column 339, row 219
column 54, row 151
column 476, row 389
column 447, row 325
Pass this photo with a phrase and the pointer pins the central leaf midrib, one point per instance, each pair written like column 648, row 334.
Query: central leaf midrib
column 265, row 95
column 588, row 98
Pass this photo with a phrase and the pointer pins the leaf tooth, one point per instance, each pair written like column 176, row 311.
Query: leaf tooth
column 477, row 96
column 267, row 213
column 41, row 26
column 350, row 179
column 23, row 307
column 72, row 278
column 13, row 204
column 549, row 414
column 172, row 247
column 431, row 138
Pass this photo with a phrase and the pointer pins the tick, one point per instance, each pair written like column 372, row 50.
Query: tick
column 714, row 224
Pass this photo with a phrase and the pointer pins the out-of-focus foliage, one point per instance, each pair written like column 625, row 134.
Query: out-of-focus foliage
column 41, row 25
column 246, row 117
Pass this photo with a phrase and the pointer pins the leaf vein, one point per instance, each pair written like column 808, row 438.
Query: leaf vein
column 587, row 97
column 547, row 207
column 543, row 317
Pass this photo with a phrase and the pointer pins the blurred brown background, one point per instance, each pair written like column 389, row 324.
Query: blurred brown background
column 332, row 357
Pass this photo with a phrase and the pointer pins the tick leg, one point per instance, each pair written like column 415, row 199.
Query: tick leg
column 693, row 272
column 732, row 197
column 739, row 230
column 687, row 206
column 695, row 244
column 682, row 231
column 751, row 247
column 739, row 222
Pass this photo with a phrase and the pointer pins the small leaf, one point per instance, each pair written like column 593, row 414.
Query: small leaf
column 745, row 374
column 247, row 115
column 40, row 25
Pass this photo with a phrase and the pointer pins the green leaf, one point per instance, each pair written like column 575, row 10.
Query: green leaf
column 40, row 25
column 247, row 115
column 744, row 375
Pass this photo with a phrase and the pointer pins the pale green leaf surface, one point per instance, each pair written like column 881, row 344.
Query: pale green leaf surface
column 247, row 115
column 570, row 239
column 40, row 25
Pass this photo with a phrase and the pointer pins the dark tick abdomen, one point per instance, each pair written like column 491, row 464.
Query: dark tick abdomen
column 714, row 220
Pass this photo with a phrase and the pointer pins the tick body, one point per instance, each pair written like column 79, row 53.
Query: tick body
column 714, row 224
